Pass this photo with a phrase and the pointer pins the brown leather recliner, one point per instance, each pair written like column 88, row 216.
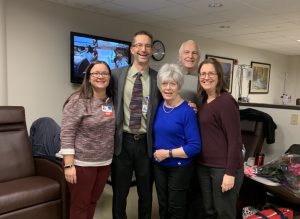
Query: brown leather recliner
column 29, row 187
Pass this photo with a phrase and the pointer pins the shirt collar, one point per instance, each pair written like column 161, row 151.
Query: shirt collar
column 132, row 71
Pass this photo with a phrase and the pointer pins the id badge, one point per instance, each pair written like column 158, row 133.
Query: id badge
column 145, row 108
column 107, row 110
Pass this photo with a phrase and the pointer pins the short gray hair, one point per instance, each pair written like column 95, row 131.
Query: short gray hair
column 170, row 72
column 188, row 41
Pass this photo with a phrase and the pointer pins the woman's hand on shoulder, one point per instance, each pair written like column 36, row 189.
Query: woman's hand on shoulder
column 193, row 106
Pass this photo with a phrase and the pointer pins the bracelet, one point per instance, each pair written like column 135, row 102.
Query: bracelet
column 68, row 166
column 170, row 153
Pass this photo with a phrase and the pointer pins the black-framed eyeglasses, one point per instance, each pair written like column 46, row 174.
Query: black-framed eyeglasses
column 98, row 74
column 210, row 74
column 140, row 46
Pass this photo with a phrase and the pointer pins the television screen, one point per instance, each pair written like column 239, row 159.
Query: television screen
column 88, row 48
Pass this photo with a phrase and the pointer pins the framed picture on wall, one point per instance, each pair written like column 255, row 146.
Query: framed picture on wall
column 260, row 80
column 227, row 64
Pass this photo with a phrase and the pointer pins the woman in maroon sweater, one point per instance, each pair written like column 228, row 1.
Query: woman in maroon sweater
column 220, row 164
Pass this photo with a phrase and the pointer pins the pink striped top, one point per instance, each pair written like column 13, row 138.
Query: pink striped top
column 87, row 131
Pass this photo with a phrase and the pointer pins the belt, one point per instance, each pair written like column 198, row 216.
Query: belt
column 135, row 136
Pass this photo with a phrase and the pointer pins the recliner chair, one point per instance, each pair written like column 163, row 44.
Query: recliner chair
column 252, row 137
column 29, row 187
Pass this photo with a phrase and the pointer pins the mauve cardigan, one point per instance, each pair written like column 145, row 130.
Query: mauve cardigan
column 86, row 131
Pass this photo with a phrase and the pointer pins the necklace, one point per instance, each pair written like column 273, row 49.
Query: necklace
column 165, row 106
column 172, row 108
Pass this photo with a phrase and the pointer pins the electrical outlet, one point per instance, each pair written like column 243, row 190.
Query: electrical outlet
column 294, row 119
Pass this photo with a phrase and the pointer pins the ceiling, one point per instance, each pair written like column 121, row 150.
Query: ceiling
column 272, row 25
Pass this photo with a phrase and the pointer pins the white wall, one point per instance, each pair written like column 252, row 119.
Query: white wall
column 286, row 134
column 3, row 72
column 38, row 54
column 293, row 78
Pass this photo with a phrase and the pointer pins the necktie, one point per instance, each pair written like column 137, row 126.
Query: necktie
column 136, row 103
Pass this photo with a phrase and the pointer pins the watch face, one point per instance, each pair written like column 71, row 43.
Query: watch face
column 158, row 50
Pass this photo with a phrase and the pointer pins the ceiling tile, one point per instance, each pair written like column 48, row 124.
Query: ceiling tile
column 264, row 24
column 144, row 5
column 175, row 12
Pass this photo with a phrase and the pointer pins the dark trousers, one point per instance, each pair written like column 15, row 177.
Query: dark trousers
column 218, row 205
column 171, row 186
column 86, row 192
column 194, row 198
column 133, row 157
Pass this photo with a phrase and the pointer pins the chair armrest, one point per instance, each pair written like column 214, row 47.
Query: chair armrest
column 47, row 168
column 51, row 169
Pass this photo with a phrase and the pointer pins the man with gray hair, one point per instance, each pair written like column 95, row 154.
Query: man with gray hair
column 189, row 56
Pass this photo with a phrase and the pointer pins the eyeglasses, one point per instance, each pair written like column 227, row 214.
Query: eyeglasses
column 171, row 84
column 140, row 46
column 210, row 74
column 98, row 74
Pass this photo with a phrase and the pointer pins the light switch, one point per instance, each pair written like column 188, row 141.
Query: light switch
column 294, row 119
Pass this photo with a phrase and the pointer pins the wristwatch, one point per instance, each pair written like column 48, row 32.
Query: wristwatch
column 158, row 50
column 68, row 166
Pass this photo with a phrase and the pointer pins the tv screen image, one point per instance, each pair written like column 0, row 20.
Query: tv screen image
column 88, row 48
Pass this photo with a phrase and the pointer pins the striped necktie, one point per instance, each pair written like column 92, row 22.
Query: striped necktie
column 136, row 103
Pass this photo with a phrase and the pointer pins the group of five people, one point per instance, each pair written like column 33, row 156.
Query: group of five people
column 176, row 126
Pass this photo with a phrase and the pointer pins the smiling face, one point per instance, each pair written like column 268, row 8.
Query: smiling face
column 141, row 49
column 169, row 90
column 99, row 77
column 189, row 56
column 208, row 78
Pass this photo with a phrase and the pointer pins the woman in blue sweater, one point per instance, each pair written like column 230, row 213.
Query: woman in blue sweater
column 176, row 142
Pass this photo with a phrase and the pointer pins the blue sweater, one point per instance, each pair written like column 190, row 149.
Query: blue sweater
column 178, row 128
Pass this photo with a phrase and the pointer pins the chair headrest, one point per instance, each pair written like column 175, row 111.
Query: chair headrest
column 12, row 114
column 248, row 126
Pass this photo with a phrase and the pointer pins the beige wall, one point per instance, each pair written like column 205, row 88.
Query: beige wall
column 286, row 134
column 38, row 54
column 293, row 78
column 3, row 72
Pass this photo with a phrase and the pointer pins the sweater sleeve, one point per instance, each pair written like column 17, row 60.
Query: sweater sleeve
column 231, row 127
column 192, row 133
column 72, row 115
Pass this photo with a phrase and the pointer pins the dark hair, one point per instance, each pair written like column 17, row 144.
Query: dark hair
column 221, row 85
column 85, row 90
column 142, row 32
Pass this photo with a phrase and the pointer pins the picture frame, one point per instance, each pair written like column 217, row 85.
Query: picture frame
column 227, row 64
column 260, row 79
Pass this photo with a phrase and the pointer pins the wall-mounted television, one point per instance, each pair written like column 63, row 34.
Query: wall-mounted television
column 86, row 48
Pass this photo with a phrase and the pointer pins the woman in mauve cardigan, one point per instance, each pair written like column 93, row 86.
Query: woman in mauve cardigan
column 87, row 140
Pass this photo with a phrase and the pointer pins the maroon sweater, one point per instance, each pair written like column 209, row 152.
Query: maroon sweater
column 221, row 134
